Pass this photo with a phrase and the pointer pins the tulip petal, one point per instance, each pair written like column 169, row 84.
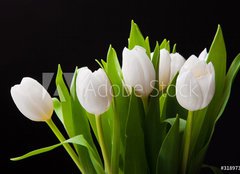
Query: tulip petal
column 191, row 61
column 149, row 74
column 207, row 84
column 188, row 91
column 203, row 55
column 83, row 80
column 199, row 69
column 210, row 68
column 177, row 62
column 38, row 95
column 164, row 68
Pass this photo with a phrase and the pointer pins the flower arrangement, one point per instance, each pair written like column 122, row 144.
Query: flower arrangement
column 154, row 114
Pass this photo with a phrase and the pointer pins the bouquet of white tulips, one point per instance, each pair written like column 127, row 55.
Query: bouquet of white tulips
column 155, row 114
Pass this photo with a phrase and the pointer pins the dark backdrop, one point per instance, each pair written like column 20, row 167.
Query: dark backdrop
column 36, row 35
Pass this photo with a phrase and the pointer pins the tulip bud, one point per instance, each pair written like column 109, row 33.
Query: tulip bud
column 195, row 84
column 94, row 90
column 169, row 65
column 138, row 71
column 32, row 100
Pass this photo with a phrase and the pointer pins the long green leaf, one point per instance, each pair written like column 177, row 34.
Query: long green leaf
column 232, row 72
column 214, row 111
column 155, row 132
column 169, row 154
column 81, row 125
column 79, row 140
column 217, row 55
column 65, row 100
column 74, row 118
column 120, row 105
column 135, row 154
column 121, row 98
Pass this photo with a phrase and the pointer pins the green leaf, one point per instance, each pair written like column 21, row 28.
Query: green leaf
column 147, row 47
column 119, row 108
column 218, row 57
column 100, row 64
column 135, row 154
column 136, row 38
column 121, row 97
column 164, row 44
column 169, row 154
column 182, row 123
column 107, row 124
column 232, row 72
column 81, row 125
column 74, row 118
column 214, row 111
column 168, row 46
column 155, row 132
column 37, row 152
column 65, row 99
column 58, row 109
column 174, row 50
column 79, row 140
column 155, row 58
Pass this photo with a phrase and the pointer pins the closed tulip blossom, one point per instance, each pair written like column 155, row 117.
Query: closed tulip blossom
column 94, row 90
column 169, row 65
column 32, row 99
column 138, row 71
column 195, row 84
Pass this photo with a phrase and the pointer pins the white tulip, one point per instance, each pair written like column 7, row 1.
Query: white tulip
column 195, row 84
column 94, row 90
column 32, row 99
column 138, row 71
column 169, row 65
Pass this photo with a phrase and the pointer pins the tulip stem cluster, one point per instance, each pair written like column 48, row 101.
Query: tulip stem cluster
column 67, row 147
column 187, row 141
column 102, row 144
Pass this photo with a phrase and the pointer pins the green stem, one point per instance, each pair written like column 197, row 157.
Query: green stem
column 186, row 147
column 67, row 147
column 102, row 144
column 115, row 145
column 145, row 104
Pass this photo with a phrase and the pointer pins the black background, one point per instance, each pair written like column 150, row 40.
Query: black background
column 36, row 35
